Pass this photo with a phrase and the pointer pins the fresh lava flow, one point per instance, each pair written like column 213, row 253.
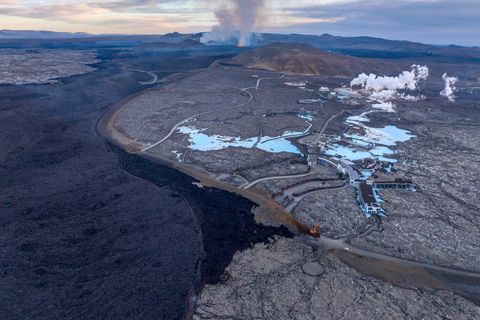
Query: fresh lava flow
column 241, row 43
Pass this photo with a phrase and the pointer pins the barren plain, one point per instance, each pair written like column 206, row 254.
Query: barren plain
column 36, row 66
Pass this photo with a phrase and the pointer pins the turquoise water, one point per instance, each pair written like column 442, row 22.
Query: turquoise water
column 388, row 136
column 395, row 134
column 353, row 154
column 373, row 143
column 203, row 142
column 278, row 145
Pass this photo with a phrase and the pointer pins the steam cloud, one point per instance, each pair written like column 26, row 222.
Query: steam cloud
column 405, row 80
column 237, row 20
column 383, row 88
column 450, row 88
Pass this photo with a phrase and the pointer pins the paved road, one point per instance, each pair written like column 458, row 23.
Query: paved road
column 341, row 244
column 153, row 81
column 253, row 183
column 325, row 126
column 308, row 185
column 261, row 79
column 296, row 200
column 375, row 227
column 296, row 135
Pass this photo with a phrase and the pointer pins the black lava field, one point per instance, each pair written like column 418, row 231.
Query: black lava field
column 91, row 232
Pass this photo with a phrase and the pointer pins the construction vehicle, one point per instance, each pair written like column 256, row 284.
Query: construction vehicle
column 315, row 231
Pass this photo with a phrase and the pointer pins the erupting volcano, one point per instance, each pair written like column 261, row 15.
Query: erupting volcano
column 237, row 19
column 241, row 43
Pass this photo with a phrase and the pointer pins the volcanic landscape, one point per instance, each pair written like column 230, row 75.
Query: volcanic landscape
column 156, row 177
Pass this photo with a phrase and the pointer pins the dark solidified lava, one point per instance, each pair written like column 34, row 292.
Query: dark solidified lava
column 83, row 239
column 226, row 220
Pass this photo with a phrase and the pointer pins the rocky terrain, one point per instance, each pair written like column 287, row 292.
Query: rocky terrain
column 273, row 282
column 356, row 270
column 441, row 222
column 43, row 66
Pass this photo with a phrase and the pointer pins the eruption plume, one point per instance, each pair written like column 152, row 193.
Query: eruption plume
column 236, row 20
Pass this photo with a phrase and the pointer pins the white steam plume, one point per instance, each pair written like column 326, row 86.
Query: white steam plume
column 450, row 88
column 405, row 80
column 237, row 19
column 383, row 89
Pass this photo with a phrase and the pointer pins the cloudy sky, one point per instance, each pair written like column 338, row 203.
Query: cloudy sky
column 432, row 21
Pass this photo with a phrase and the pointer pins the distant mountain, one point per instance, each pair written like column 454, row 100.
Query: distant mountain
column 363, row 47
column 300, row 58
column 50, row 39
column 372, row 47
column 35, row 34
column 328, row 41
column 188, row 44
column 178, row 37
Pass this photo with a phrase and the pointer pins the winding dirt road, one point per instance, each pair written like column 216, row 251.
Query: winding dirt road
column 253, row 183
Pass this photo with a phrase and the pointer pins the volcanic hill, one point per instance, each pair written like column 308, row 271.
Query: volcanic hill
column 298, row 58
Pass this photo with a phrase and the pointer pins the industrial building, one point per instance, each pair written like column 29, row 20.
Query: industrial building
column 347, row 93
column 398, row 183
column 348, row 167
column 299, row 84
column 312, row 160
column 367, row 200
column 308, row 101
column 366, row 193
column 324, row 89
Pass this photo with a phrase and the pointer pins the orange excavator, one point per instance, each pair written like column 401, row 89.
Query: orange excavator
column 315, row 231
